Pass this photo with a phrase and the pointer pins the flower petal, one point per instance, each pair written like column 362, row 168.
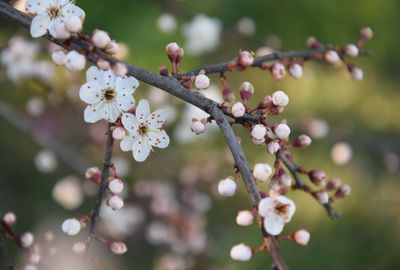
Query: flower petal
column 126, row 143
column 125, row 102
column 266, row 207
column 111, row 112
column 108, row 78
column 94, row 74
column 90, row 92
column 39, row 25
column 126, row 85
column 94, row 113
column 36, row 6
column 156, row 119
column 142, row 110
column 141, row 149
column 70, row 10
column 274, row 224
column 158, row 138
column 130, row 123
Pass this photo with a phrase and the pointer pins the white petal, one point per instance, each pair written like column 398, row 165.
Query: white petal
column 125, row 102
column 158, row 138
column 130, row 123
column 156, row 119
column 70, row 10
column 291, row 209
column 90, row 92
column 94, row 74
column 111, row 112
column 266, row 206
column 36, row 6
column 39, row 25
column 126, row 85
column 142, row 110
column 60, row 2
column 53, row 25
column 126, row 143
column 108, row 78
column 274, row 225
column 141, row 149
column 94, row 113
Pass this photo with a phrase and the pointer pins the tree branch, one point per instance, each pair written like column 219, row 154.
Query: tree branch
column 7, row 265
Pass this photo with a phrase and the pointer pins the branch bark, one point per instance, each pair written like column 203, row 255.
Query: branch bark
column 7, row 265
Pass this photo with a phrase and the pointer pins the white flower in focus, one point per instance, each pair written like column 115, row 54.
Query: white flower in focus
column 145, row 131
column 71, row 226
column 202, row 34
column 227, row 187
column 262, row 171
column 241, row 253
column 276, row 211
column 107, row 95
column 49, row 14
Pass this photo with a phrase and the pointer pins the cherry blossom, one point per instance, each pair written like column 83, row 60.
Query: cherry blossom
column 49, row 14
column 145, row 131
column 107, row 95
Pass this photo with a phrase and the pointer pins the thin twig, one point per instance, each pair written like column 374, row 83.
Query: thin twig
column 7, row 265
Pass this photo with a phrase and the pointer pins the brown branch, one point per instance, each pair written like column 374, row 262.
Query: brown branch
column 7, row 265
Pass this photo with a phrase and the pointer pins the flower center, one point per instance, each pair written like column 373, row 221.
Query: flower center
column 54, row 12
column 282, row 209
column 109, row 94
column 143, row 129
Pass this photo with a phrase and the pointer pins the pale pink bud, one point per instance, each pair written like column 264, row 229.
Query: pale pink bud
column 245, row 59
column 332, row 57
column 333, row 184
column 296, row 70
column 322, row 197
column 27, row 239
column 71, row 226
column 116, row 186
column 74, row 61
column 286, row 180
column 74, row 24
column 317, row 177
column 103, row 64
column 238, row 109
column 343, row 191
column 357, row 73
column 35, row 258
column 279, row 98
column 312, row 42
column 241, row 253
column 282, row 131
column 112, row 47
column 9, row 218
column 118, row 248
column 227, row 187
column 115, row 202
column 100, row 39
column 265, row 102
column 58, row 57
column 302, row 141
column 246, row 91
column 258, row 132
column 244, row 218
column 278, row 71
column 202, row 82
column 366, row 33
column 262, row 171
column 198, row 127
column 273, row 147
column 93, row 174
column 172, row 48
column 301, row 237
column 79, row 247
column 119, row 133
column 120, row 69
column 61, row 32
column 351, row 50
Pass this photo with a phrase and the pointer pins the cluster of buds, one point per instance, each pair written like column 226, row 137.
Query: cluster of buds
column 73, row 60
column 175, row 54
column 25, row 240
column 115, row 187
column 72, row 26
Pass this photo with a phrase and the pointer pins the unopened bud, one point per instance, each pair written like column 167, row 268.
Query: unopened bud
column 343, row 191
column 93, row 174
column 120, row 69
column 244, row 218
column 246, row 91
column 74, row 24
column 273, row 147
column 258, row 132
column 351, row 50
column 366, row 34
column 116, row 186
column 27, row 239
column 333, row 184
column 280, row 99
column 118, row 248
column 278, row 71
column 202, row 82
column 198, row 127
column 238, row 110
column 313, row 43
column 61, row 31
column 301, row 237
column 322, row 197
column 332, row 57
column 100, row 39
column 112, row 48
column 115, row 202
column 357, row 73
column 119, row 133
column 296, row 70
column 245, row 59
column 103, row 64
column 282, row 131
column 317, row 177
column 9, row 218
column 302, row 141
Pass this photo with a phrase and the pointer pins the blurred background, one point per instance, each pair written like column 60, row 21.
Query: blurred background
column 173, row 218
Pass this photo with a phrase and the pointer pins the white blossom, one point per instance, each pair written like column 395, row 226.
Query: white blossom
column 58, row 57
column 49, row 14
column 227, row 187
column 71, row 226
column 262, row 171
column 241, row 252
column 145, row 131
column 107, row 95
column 276, row 211
column 296, row 70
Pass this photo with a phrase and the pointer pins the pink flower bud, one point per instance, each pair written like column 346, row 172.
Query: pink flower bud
column 282, row 131
column 262, row 171
column 116, row 186
column 258, row 132
column 172, row 48
column 93, row 174
column 246, row 91
column 100, row 39
column 245, row 59
column 103, row 64
column 74, row 61
column 202, row 82
column 366, row 33
column 241, row 253
column 198, row 127
column 115, row 202
column 343, row 191
column 238, row 109
column 332, row 57
column 351, row 50
column 61, row 32
column 278, row 71
column 333, row 184
column 322, row 197
column 302, row 141
column 120, row 69
column 296, row 70
column 273, row 147
column 58, row 57
column 74, row 24
column 118, row 248
column 280, row 99
column 286, row 180
column 265, row 102
column 9, row 218
column 119, row 133
column 244, row 218
column 317, row 177
column 27, row 239
column 112, row 48
column 301, row 237
column 227, row 187
column 313, row 43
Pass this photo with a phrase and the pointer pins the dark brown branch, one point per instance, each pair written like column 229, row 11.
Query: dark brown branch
column 7, row 265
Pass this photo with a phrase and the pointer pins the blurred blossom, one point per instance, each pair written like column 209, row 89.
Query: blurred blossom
column 317, row 128
column 189, row 175
column 35, row 106
column 158, row 233
column 341, row 153
column 264, row 51
column 68, row 192
column 202, row 34
column 182, row 133
column 122, row 166
column 274, row 42
column 166, row 23
column 157, row 96
column 246, row 26
column 20, row 5
column 123, row 222
column 171, row 262
column 46, row 161
column 391, row 161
